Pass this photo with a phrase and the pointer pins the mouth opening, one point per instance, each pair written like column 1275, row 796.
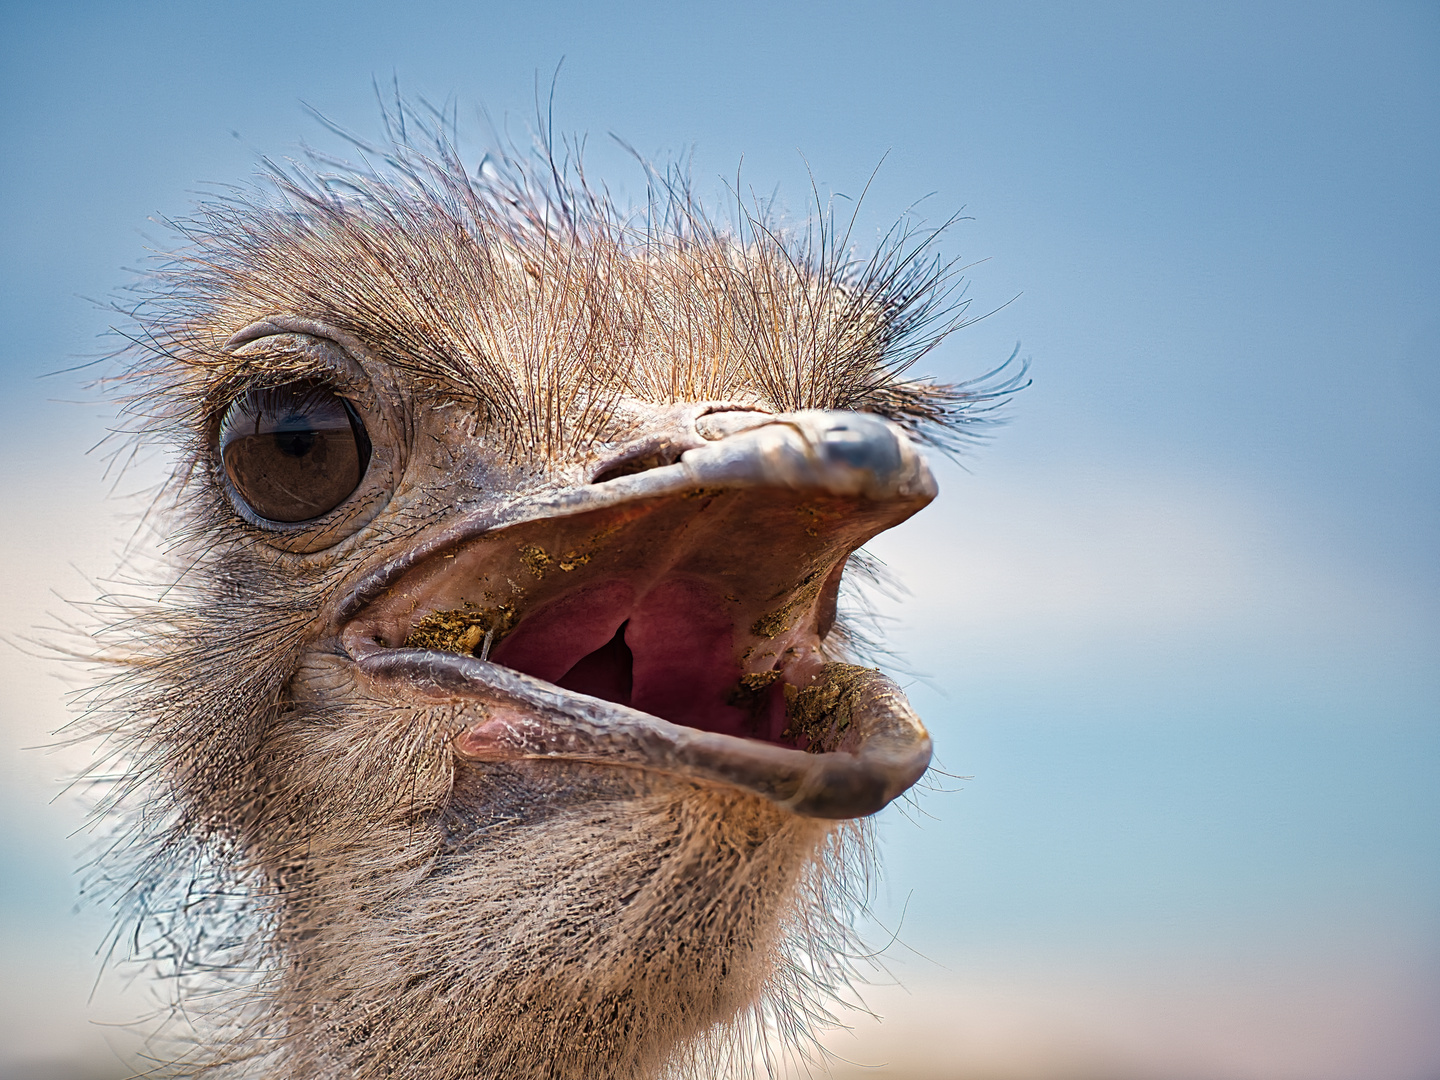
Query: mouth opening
column 709, row 610
column 671, row 648
column 668, row 648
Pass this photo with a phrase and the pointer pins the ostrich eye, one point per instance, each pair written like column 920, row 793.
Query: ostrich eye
column 293, row 452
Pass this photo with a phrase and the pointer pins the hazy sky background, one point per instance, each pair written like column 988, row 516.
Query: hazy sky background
column 1179, row 621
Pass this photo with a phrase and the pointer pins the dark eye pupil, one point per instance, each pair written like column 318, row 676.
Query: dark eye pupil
column 297, row 442
column 295, row 452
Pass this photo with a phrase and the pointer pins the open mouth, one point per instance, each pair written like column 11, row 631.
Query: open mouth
column 678, row 619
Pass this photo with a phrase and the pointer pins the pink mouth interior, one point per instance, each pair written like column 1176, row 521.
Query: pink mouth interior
column 669, row 651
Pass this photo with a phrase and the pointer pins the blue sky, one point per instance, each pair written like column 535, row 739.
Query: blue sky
column 1178, row 620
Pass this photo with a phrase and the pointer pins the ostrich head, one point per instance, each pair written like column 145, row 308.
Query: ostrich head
column 498, row 681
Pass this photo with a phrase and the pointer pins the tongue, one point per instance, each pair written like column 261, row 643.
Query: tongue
column 669, row 652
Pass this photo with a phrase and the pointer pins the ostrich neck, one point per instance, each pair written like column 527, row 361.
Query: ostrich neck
column 524, row 939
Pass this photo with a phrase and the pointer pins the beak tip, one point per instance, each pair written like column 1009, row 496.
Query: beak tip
column 832, row 451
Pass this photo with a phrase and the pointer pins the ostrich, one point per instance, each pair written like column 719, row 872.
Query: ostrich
column 497, row 689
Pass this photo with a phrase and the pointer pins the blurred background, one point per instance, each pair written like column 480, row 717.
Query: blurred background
column 1175, row 627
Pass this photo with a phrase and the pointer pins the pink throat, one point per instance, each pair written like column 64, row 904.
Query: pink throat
column 669, row 652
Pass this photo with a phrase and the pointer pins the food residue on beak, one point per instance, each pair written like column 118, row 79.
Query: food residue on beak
column 461, row 630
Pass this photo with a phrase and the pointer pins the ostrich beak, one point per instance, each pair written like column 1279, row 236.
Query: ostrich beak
column 676, row 620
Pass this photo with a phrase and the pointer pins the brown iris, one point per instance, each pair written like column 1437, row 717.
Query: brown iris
column 293, row 452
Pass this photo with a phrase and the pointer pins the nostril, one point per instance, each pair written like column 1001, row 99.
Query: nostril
column 651, row 457
column 687, row 432
column 722, row 424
